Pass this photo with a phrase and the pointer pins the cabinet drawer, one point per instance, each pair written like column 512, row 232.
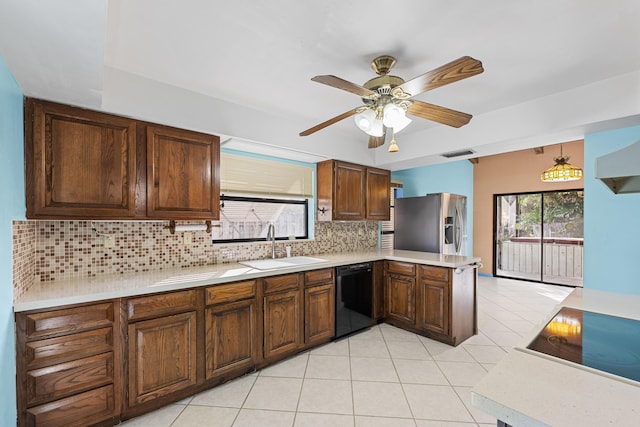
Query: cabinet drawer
column 80, row 410
column 318, row 276
column 434, row 273
column 231, row 292
column 161, row 305
column 281, row 283
column 398, row 267
column 68, row 320
column 70, row 347
column 68, row 378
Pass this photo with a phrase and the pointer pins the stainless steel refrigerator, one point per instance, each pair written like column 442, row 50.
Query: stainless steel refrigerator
column 431, row 223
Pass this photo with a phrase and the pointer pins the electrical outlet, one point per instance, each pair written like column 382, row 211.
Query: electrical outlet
column 109, row 241
column 187, row 237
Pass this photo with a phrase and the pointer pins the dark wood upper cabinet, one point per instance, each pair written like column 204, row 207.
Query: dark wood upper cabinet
column 83, row 164
column 378, row 194
column 347, row 191
column 182, row 174
column 78, row 163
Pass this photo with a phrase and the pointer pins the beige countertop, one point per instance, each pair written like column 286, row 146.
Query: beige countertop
column 87, row 289
column 528, row 388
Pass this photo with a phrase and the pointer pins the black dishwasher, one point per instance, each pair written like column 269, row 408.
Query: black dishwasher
column 354, row 289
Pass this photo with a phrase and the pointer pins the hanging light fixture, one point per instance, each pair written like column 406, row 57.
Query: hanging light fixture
column 562, row 170
column 393, row 147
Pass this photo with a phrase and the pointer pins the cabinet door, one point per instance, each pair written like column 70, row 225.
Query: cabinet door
column 183, row 174
column 349, row 188
column 162, row 356
column 434, row 307
column 282, row 323
column 79, row 163
column 401, row 302
column 319, row 313
column 378, row 194
column 231, row 334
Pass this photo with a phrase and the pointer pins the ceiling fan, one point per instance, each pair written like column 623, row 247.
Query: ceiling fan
column 387, row 99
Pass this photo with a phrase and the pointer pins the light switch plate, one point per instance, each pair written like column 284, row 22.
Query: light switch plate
column 187, row 238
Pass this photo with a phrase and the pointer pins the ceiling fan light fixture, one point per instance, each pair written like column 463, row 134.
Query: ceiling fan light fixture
column 376, row 128
column 403, row 123
column 393, row 115
column 364, row 120
column 393, row 146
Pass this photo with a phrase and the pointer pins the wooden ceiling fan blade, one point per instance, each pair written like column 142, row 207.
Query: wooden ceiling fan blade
column 343, row 84
column 439, row 114
column 328, row 122
column 454, row 71
column 377, row 141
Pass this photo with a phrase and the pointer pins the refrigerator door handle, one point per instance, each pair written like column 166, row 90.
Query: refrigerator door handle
column 458, row 230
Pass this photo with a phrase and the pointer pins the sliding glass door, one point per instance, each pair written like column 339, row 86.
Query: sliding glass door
column 539, row 236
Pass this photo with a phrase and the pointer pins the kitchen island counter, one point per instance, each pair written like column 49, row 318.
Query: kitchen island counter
column 42, row 295
column 529, row 388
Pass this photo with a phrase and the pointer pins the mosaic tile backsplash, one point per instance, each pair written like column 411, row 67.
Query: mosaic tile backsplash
column 59, row 250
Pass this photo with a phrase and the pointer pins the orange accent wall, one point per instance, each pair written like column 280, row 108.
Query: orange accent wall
column 515, row 172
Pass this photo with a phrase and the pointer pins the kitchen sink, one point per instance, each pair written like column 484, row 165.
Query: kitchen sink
column 270, row 264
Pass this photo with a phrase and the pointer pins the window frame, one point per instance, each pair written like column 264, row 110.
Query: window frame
column 255, row 199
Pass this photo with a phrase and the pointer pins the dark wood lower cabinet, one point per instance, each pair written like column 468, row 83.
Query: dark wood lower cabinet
column 319, row 314
column 96, row 364
column 282, row 324
column 401, row 297
column 69, row 365
column 434, row 306
column 162, row 357
column 88, row 408
column 231, row 338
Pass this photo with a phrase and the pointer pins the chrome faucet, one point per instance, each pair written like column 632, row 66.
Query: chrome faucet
column 271, row 234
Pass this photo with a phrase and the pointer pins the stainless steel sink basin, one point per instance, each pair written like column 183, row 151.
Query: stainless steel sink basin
column 271, row 264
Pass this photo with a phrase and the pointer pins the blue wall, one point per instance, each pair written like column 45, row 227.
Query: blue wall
column 611, row 221
column 453, row 177
column 12, row 206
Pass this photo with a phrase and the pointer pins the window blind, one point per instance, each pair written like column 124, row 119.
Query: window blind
column 251, row 175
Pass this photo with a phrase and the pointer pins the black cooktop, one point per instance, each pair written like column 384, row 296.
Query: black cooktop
column 607, row 343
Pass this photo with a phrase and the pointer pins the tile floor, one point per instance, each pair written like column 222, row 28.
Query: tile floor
column 381, row 377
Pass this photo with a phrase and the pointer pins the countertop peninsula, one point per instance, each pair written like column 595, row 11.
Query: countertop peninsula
column 527, row 388
column 43, row 295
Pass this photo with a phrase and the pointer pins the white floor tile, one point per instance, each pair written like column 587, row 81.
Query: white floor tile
column 408, row 350
column 206, row 416
column 162, row 417
column 369, row 369
column 481, row 417
column 262, row 418
column 368, row 348
column 362, row 421
column 452, row 354
column 304, row 419
column 429, row 423
column 397, row 334
column 436, row 402
column 326, row 396
column 231, row 395
column 336, row 348
column 289, row 368
column 462, row 373
column 274, row 393
column 329, row 367
column 380, row 399
column 419, row 372
column 485, row 353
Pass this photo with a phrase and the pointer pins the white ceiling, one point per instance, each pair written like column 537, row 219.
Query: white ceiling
column 241, row 69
